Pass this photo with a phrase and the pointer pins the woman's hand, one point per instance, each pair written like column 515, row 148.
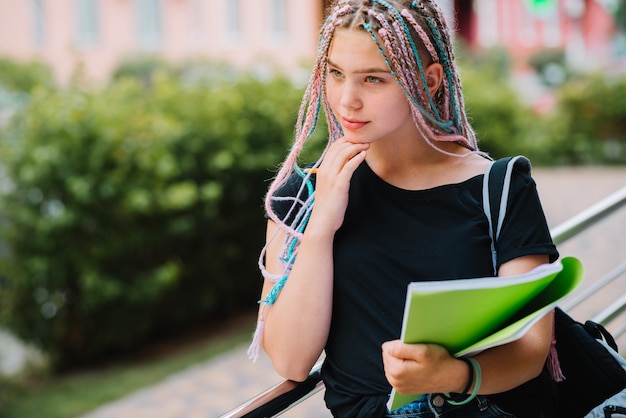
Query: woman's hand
column 333, row 184
column 428, row 368
column 423, row 368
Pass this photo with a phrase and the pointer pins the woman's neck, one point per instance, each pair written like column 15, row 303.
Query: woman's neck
column 420, row 166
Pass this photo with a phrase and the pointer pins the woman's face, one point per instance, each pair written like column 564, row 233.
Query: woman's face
column 363, row 94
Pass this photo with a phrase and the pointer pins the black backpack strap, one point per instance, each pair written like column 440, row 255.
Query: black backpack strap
column 598, row 332
column 496, row 185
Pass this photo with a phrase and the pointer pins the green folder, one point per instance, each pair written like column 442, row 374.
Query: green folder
column 467, row 316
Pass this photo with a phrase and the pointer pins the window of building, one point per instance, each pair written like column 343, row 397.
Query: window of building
column 87, row 24
column 148, row 23
column 527, row 32
column 488, row 22
column 507, row 19
column 233, row 19
column 552, row 30
column 278, row 18
column 39, row 28
column 196, row 16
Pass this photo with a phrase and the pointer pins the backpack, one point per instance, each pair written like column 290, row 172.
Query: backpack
column 595, row 372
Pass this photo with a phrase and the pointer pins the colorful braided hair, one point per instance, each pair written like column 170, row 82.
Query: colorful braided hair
column 409, row 35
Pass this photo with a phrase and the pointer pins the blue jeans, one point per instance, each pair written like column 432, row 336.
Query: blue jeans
column 435, row 406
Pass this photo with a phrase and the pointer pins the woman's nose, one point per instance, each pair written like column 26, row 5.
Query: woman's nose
column 350, row 97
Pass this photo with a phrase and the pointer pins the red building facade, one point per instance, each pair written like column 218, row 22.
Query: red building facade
column 583, row 29
column 96, row 35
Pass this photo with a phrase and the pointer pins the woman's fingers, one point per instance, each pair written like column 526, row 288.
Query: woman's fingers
column 333, row 182
column 342, row 159
column 419, row 368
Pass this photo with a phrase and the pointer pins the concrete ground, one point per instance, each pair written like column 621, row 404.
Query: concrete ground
column 218, row 385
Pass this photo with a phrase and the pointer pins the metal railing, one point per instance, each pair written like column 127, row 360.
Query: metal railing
column 287, row 394
column 280, row 398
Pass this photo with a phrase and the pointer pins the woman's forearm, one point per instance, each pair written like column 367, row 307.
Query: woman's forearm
column 297, row 324
column 508, row 366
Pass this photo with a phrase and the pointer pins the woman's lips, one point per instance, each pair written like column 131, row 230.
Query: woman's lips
column 352, row 124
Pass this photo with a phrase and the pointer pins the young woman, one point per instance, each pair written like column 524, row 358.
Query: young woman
column 395, row 198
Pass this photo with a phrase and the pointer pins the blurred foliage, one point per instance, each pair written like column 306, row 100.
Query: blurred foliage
column 550, row 66
column 589, row 126
column 586, row 127
column 495, row 61
column 496, row 113
column 143, row 68
column 504, row 125
column 620, row 14
column 24, row 76
column 135, row 210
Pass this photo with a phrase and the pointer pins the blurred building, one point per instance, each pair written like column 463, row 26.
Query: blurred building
column 97, row 34
column 583, row 30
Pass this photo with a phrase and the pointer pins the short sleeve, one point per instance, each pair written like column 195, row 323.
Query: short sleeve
column 290, row 193
column 525, row 229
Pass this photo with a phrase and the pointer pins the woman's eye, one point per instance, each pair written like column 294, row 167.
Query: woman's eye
column 372, row 80
column 335, row 73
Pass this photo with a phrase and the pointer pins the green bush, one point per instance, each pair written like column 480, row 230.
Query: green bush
column 590, row 127
column 133, row 211
column 493, row 61
column 550, row 66
column 501, row 121
column 620, row 14
column 504, row 124
column 24, row 76
column 587, row 126
column 143, row 68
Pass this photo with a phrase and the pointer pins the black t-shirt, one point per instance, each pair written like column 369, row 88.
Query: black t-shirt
column 391, row 237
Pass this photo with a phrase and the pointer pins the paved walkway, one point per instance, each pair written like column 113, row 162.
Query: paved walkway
column 209, row 389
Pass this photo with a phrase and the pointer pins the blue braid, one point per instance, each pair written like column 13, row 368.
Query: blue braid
column 445, row 61
column 315, row 118
column 309, row 184
column 368, row 27
column 445, row 125
column 270, row 299
column 418, row 60
column 446, row 66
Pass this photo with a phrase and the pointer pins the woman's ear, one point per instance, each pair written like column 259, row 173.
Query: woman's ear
column 434, row 76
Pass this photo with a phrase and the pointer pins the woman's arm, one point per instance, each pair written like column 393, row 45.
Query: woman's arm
column 297, row 324
column 428, row 368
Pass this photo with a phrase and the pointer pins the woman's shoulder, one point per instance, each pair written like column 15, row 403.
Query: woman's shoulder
column 292, row 186
column 466, row 168
column 476, row 164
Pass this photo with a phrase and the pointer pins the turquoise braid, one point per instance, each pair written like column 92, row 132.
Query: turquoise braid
column 316, row 117
column 290, row 253
column 369, row 29
column 444, row 58
column 446, row 125
column 446, row 65
column 418, row 60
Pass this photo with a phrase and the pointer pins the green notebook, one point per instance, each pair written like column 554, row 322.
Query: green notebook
column 467, row 316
